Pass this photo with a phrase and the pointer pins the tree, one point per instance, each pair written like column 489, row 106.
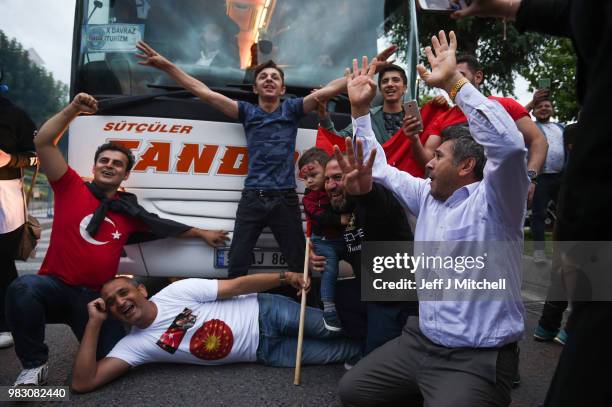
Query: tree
column 531, row 54
column 556, row 61
column 31, row 87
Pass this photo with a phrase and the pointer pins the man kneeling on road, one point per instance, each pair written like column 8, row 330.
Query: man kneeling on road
column 461, row 350
column 205, row 322
column 92, row 223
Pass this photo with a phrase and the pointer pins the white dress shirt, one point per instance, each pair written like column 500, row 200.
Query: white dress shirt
column 491, row 210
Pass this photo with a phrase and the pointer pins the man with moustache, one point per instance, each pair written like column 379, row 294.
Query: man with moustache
column 92, row 223
column 375, row 216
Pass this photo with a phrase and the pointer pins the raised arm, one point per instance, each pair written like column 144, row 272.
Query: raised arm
column 87, row 373
column 361, row 89
column 150, row 57
column 256, row 283
column 339, row 85
column 51, row 159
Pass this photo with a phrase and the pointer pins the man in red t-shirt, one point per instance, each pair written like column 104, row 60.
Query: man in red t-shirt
column 535, row 141
column 92, row 223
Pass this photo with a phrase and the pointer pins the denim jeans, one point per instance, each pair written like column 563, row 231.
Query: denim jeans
column 279, row 321
column 332, row 249
column 279, row 210
column 35, row 300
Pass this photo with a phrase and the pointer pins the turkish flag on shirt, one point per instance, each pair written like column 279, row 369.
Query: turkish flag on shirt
column 398, row 148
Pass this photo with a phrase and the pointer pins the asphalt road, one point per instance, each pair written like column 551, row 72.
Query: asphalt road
column 249, row 385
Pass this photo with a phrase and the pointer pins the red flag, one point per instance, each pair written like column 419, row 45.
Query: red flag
column 398, row 148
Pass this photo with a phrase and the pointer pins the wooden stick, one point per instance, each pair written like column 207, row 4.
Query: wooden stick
column 298, row 355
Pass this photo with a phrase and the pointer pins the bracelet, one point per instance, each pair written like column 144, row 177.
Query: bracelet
column 283, row 278
column 456, row 87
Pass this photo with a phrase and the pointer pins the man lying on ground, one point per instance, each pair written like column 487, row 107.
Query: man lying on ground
column 205, row 322
column 92, row 223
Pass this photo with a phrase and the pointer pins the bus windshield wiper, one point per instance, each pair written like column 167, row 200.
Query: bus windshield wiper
column 172, row 91
column 124, row 101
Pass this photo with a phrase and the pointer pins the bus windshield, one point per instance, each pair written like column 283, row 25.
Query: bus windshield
column 220, row 41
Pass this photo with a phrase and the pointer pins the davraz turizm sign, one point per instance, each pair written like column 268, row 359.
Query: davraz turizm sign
column 112, row 37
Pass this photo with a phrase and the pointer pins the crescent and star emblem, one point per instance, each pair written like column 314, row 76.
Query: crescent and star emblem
column 88, row 238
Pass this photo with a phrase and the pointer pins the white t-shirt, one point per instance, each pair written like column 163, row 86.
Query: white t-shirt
column 11, row 205
column 555, row 158
column 192, row 326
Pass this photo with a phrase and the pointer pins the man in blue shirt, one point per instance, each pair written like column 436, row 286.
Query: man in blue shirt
column 462, row 348
column 269, row 197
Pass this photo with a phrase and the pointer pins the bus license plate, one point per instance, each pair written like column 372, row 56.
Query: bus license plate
column 261, row 258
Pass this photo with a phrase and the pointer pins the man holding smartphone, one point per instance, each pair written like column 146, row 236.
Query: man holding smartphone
column 393, row 116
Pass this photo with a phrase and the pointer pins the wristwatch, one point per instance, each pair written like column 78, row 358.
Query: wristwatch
column 283, row 278
column 532, row 175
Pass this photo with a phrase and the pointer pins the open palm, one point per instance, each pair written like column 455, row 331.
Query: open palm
column 360, row 84
column 357, row 175
column 150, row 57
column 442, row 60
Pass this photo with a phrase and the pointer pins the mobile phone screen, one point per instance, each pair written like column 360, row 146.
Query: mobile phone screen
column 544, row 83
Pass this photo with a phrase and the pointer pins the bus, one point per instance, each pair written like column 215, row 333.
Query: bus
column 191, row 160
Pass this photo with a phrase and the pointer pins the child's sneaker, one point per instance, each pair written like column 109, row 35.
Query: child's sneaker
column 331, row 321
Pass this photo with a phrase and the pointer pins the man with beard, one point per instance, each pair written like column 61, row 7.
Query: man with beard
column 375, row 216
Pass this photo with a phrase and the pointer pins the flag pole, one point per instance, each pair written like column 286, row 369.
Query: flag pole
column 298, row 355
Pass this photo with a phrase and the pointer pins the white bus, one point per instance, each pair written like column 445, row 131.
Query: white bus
column 191, row 160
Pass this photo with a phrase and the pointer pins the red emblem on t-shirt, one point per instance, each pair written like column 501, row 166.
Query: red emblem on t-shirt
column 212, row 341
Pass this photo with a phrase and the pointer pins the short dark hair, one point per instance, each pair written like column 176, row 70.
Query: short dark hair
column 471, row 61
column 314, row 154
column 268, row 64
column 464, row 147
column 392, row 68
column 116, row 147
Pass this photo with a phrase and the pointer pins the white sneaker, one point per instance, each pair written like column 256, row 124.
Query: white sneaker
column 33, row 377
column 539, row 256
column 6, row 340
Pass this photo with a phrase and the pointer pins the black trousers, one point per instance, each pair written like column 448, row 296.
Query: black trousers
column 8, row 271
column 411, row 369
column 546, row 189
column 576, row 381
column 279, row 210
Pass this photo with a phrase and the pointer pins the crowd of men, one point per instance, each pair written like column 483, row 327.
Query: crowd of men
column 485, row 161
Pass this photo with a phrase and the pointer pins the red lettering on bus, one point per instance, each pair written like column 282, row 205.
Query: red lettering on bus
column 186, row 129
column 190, row 155
column 235, row 161
column 156, row 156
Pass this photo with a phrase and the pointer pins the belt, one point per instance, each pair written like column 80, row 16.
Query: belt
column 270, row 192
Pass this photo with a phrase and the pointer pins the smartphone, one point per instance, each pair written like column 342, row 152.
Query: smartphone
column 441, row 5
column 544, row 83
column 411, row 108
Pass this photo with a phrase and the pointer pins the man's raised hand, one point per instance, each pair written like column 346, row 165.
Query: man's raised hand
column 150, row 57
column 357, row 176
column 443, row 63
column 361, row 86
column 84, row 103
column 380, row 60
column 97, row 310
